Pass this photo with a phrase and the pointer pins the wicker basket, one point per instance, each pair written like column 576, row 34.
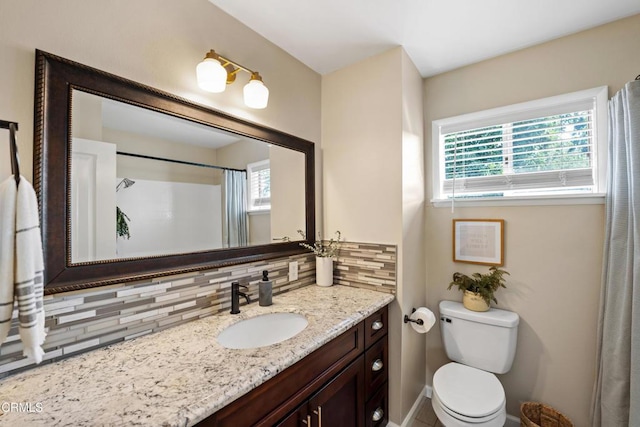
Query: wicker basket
column 534, row 414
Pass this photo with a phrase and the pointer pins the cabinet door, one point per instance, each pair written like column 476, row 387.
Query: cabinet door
column 341, row 401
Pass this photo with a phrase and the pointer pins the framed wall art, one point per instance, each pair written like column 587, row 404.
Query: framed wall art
column 478, row 241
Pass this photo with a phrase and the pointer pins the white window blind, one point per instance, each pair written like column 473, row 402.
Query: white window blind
column 543, row 147
column 259, row 182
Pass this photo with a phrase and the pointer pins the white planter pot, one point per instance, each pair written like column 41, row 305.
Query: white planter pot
column 324, row 271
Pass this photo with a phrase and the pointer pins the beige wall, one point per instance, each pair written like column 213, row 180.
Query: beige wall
column 154, row 42
column 362, row 171
column 260, row 228
column 239, row 154
column 412, row 292
column 86, row 110
column 361, row 131
column 133, row 167
column 554, row 253
column 287, row 192
column 372, row 129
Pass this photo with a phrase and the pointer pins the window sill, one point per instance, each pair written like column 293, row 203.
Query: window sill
column 578, row 199
column 259, row 212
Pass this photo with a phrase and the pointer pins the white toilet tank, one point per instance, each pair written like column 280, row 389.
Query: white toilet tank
column 484, row 340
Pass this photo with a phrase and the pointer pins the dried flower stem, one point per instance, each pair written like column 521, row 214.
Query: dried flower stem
column 319, row 248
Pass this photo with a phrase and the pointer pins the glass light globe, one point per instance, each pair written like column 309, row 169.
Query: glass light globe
column 256, row 94
column 211, row 75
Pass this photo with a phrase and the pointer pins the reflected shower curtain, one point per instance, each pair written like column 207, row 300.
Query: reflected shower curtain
column 234, row 227
column 616, row 400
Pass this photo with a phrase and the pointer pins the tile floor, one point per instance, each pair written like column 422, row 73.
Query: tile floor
column 425, row 417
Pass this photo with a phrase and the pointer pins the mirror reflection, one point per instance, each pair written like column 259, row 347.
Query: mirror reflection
column 144, row 183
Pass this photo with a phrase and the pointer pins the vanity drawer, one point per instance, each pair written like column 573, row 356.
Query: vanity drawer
column 376, row 363
column 375, row 326
column 377, row 408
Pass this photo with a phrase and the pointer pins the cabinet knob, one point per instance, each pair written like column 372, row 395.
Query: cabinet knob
column 377, row 325
column 377, row 365
column 377, row 415
column 307, row 421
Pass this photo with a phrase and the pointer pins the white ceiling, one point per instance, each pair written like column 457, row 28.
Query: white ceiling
column 438, row 35
column 141, row 121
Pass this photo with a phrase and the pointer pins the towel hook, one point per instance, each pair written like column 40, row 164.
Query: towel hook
column 13, row 147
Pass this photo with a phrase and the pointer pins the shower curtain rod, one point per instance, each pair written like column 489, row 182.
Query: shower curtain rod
column 182, row 162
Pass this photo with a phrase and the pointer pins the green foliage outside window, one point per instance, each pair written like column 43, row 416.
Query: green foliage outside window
column 556, row 142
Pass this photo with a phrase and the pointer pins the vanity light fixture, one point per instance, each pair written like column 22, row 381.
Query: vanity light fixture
column 215, row 72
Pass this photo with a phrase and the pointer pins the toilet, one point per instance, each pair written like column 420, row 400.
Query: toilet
column 466, row 393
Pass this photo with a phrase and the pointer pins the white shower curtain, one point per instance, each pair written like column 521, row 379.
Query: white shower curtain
column 616, row 400
column 235, row 228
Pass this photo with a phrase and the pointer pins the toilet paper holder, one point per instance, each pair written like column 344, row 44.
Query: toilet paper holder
column 407, row 319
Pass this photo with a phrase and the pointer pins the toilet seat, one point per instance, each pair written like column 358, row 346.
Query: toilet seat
column 468, row 394
column 447, row 419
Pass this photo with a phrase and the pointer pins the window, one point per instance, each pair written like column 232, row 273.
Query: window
column 259, row 185
column 549, row 147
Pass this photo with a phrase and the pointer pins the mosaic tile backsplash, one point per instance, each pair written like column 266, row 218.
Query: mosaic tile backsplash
column 366, row 265
column 81, row 321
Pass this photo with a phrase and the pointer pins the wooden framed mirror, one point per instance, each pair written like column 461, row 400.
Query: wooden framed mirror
column 135, row 183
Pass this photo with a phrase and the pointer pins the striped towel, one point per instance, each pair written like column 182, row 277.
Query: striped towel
column 8, row 194
column 25, row 253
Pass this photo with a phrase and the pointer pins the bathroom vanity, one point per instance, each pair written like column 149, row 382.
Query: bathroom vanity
column 343, row 383
column 337, row 366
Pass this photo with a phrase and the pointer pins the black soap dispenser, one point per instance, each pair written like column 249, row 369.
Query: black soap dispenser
column 265, row 290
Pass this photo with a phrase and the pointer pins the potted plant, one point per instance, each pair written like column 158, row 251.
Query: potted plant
column 324, row 252
column 122, row 225
column 479, row 288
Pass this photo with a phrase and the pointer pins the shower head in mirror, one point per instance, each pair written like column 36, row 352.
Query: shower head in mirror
column 126, row 182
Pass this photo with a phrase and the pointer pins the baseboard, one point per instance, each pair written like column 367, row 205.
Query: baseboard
column 512, row 421
column 412, row 411
column 428, row 391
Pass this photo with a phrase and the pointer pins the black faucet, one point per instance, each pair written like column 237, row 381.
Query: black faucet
column 235, row 297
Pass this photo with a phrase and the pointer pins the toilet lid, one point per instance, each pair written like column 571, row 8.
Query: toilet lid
column 468, row 391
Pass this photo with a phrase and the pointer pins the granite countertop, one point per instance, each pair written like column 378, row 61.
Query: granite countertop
column 179, row 376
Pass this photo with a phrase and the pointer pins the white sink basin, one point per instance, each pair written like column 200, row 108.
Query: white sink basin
column 263, row 330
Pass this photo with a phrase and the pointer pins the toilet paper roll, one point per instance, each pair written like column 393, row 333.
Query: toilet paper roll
column 427, row 317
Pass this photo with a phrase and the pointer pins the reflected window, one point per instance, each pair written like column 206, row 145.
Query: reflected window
column 259, row 185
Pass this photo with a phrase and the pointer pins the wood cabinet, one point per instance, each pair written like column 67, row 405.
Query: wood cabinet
column 338, row 403
column 343, row 383
column 376, row 362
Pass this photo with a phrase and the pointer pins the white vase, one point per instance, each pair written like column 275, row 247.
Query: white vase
column 324, row 271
